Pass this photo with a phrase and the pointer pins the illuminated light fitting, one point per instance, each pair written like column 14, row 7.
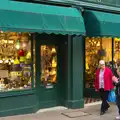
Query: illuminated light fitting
column 17, row 46
column 1, row 61
column 6, row 61
column 5, row 41
column 53, row 50
column 24, row 45
column 98, row 44
column 10, row 41
column 12, row 61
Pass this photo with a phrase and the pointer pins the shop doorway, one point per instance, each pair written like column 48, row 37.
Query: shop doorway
column 50, row 84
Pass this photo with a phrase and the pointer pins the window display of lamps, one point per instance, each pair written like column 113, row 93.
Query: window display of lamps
column 15, row 58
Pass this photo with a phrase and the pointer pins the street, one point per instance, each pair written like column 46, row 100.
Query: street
column 88, row 113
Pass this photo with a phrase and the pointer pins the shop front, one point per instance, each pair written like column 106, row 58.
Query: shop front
column 102, row 42
column 39, row 49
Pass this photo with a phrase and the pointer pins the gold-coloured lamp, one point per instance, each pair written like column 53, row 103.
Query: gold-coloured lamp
column 53, row 50
column 16, row 61
column 87, row 66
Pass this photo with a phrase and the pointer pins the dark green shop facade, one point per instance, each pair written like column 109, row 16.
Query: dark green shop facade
column 48, row 54
column 102, row 42
column 39, row 58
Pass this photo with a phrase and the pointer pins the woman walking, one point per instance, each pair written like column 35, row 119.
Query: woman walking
column 103, row 84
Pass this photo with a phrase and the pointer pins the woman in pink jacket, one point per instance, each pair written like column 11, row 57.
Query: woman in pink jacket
column 103, row 84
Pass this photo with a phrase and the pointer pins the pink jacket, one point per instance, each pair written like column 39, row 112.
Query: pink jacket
column 108, row 83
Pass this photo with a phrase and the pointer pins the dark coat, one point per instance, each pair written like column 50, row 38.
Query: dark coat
column 116, row 84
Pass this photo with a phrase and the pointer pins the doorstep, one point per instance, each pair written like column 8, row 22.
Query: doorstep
column 58, row 108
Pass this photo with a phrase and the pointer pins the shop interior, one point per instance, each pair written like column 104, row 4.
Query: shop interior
column 48, row 64
column 15, row 61
column 96, row 49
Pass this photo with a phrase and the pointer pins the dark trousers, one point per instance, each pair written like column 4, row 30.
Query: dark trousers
column 104, row 98
column 118, row 109
column 118, row 103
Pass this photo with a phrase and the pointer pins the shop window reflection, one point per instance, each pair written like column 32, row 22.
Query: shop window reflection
column 48, row 64
column 95, row 50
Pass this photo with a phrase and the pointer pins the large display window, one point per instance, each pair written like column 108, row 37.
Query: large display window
column 95, row 50
column 15, row 61
column 116, row 49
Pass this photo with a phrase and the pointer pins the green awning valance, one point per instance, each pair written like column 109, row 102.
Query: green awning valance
column 101, row 23
column 43, row 19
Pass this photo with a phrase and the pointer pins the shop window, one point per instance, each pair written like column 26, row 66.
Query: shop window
column 48, row 64
column 15, row 61
column 95, row 50
column 116, row 50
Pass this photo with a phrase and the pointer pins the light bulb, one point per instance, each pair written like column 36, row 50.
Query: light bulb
column 10, row 41
column 1, row 61
column 53, row 50
column 12, row 61
column 6, row 61
column 17, row 46
column 5, row 41
column 24, row 45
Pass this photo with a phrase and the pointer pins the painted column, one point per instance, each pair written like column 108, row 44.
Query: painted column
column 75, row 72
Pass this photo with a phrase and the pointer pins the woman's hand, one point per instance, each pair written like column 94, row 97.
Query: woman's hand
column 115, row 79
column 96, row 90
column 118, row 83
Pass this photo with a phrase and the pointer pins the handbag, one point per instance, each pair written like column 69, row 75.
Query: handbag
column 112, row 96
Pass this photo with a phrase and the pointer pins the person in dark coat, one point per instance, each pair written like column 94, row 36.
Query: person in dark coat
column 116, row 72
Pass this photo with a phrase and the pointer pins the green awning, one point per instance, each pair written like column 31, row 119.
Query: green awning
column 42, row 18
column 101, row 23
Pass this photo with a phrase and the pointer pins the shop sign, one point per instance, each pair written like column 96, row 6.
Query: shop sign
column 49, row 86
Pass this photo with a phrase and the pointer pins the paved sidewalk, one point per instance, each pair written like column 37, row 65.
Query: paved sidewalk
column 89, row 113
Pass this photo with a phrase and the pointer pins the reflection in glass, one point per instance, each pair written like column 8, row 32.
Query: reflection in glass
column 48, row 64
column 95, row 50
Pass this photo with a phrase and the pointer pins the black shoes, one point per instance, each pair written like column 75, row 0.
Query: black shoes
column 106, row 110
column 102, row 113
